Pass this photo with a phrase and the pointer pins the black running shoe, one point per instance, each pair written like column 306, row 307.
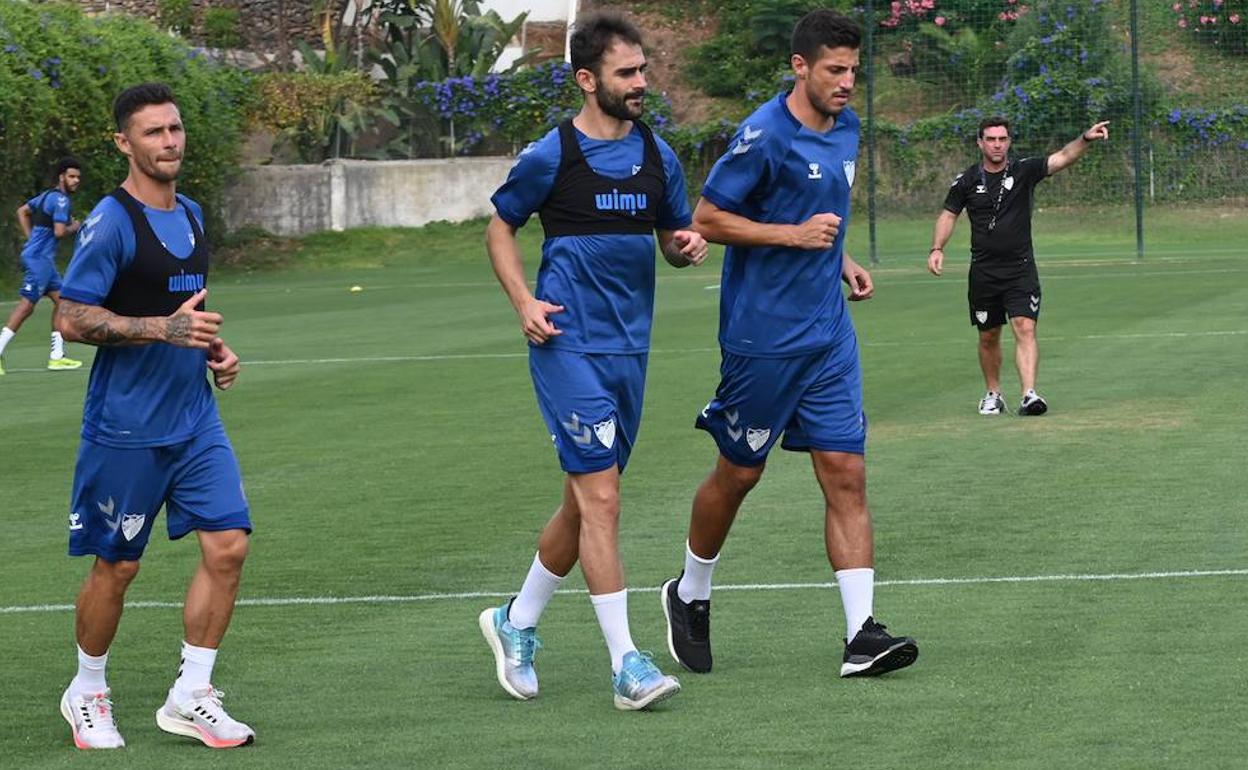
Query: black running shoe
column 874, row 652
column 1033, row 405
column 688, row 628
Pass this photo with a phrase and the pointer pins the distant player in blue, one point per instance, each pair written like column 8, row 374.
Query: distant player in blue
column 603, row 185
column 151, row 434
column 779, row 198
column 45, row 219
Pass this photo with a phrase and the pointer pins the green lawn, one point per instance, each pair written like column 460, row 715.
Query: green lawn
column 391, row 448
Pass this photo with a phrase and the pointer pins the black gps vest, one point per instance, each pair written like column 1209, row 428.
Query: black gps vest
column 37, row 216
column 583, row 202
column 156, row 282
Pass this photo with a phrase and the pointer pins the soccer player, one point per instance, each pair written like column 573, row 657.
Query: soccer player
column 45, row 219
column 779, row 198
column 998, row 193
column 603, row 184
column 151, row 434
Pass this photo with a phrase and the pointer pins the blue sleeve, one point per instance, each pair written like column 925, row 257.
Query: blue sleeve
column 530, row 181
column 104, row 248
column 743, row 168
column 196, row 210
column 674, row 214
column 56, row 205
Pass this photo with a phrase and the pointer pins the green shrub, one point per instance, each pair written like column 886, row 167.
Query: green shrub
column 59, row 74
column 176, row 15
column 313, row 111
column 221, row 28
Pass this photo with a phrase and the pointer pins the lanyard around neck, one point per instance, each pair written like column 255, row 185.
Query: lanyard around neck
column 996, row 207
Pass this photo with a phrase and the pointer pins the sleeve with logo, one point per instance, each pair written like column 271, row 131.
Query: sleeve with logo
column 56, row 206
column 530, row 181
column 674, row 214
column 744, row 168
column 104, row 248
column 955, row 200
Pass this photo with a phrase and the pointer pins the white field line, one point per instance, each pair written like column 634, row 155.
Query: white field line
column 296, row 601
column 687, row 351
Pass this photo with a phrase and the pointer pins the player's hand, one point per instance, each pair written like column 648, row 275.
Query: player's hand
column 818, row 232
column 534, row 321
column 191, row 328
column 224, row 364
column 860, row 284
column 74, row 226
column 936, row 262
column 1097, row 133
column 692, row 245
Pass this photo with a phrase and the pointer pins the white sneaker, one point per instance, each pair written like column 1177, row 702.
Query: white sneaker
column 91, row 719
column 203, row 718
column 991, row 403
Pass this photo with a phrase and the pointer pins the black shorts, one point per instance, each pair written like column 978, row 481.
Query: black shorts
column 993, row 298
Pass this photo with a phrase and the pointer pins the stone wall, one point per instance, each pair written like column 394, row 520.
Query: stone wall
column 341, row 194
column 258, row 19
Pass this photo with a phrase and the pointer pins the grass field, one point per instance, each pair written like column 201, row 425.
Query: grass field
column 395, row 461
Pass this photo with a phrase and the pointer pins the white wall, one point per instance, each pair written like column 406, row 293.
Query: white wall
column 298, row 200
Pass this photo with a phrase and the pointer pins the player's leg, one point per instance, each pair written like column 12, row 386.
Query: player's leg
column 753, row 402
column 206, row 497
column 115, row 499
column 56, row 355
column 830, row 423
column 25, row 307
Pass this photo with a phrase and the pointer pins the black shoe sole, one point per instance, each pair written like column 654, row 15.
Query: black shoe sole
column 1035, row 409
column 671, row 643
column 900, row 656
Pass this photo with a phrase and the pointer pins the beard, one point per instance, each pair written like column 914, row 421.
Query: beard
column 617, row 106
column 828, row 108
column 150, row 168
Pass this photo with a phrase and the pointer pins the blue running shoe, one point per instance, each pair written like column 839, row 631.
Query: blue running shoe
column 640, row 683
column 513, row 652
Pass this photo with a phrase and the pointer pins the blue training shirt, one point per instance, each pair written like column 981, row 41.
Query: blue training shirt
column 139, row 395
column 42, row 241
column 604, row 282
column 774, row 301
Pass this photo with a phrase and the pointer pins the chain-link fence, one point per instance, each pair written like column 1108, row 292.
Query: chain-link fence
column 1171, row 76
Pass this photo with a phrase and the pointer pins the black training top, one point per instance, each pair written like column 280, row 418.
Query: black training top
column 999, row 208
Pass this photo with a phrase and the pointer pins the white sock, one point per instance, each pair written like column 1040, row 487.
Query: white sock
column 90, row 678
column 539, row 585
column 857, row 595
column 195, row 671
column 58, row 346
column 696, row 582
column 612, row 612
column 6, row 334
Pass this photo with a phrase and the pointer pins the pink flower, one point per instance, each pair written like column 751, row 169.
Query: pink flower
column 1234, row 18
column 940, row 21
column 1176, row 7
column 1217, row 3
column 1182, row 23
column 1204, row 19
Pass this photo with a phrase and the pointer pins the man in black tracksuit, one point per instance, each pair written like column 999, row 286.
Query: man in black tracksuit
column 997, row 194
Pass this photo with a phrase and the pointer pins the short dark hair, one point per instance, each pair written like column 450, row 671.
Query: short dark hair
column 65, row 164
column 137, row 97
column 595, row 34
column 990, row 123
column 824, row 27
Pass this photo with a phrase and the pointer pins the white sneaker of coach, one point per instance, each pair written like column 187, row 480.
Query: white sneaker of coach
column 203, row 718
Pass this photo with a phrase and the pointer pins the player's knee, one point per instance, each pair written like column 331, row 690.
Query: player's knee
column 600, row 504
column 117, row 574
column 227, row 551
column 738, row 479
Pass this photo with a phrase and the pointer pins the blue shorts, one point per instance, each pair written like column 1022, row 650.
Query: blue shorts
column 814, row 400
column 39, row 277
column 591, row 403
column 118, row 492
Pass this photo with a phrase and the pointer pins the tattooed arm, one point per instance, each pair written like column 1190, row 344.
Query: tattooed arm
column 94, row 325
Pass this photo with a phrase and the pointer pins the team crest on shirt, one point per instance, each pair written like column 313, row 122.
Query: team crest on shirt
column 132, row 524
column 1008, row 183
column 849, row 166
column 605, row 431
column 757, row 437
